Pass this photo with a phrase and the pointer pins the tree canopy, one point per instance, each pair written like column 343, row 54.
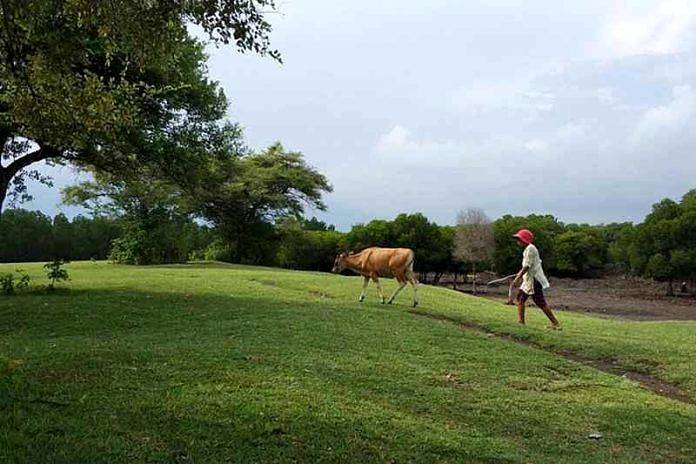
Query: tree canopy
column 243, row 192
column 111, row 86
column 665, row 243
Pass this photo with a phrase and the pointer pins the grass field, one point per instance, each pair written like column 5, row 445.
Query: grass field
column 221, row 363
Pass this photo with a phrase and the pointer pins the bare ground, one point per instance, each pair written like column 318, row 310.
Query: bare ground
column 615, row 296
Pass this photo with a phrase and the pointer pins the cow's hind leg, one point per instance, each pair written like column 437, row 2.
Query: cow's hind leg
column 379, row 288
column 364, row 289
column 402, row 283
column 414, row 282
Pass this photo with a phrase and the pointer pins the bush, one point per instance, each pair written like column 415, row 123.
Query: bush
column 219, row 251
column 312, row 250
column 55, row 272
column 129, row 249
column 8, row 285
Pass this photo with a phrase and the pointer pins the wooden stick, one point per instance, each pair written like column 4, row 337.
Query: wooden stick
column 500, row 281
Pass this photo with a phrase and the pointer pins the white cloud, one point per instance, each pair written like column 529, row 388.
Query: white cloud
column 511, row 94
column 605, row 95
column 400, row 141
column 666, row 28
column 536, row 145
column 665, row 121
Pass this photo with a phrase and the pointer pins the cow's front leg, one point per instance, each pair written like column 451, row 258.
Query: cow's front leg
column 364, row 289
column 379, row 288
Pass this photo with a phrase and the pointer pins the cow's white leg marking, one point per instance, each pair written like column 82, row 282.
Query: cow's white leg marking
column 379, row 288
column 364, row 288
column 397, row 291
column 414, row 283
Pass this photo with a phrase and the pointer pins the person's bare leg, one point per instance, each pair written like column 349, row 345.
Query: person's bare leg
column 551, row 316
column 520, row 312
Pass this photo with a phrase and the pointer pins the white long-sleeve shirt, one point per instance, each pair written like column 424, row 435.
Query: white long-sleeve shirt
column 531, row 259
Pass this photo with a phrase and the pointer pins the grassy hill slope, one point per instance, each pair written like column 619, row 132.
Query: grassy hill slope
column 219, row 363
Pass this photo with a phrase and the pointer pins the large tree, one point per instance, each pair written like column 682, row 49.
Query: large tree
column 580, row 250
column 108, row 85
column 665, row 243
column 243, row 192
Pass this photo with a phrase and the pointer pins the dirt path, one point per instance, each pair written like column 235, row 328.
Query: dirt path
column 648, row 382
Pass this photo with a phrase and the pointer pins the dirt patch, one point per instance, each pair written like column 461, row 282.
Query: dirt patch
column 319, row 294
column 649, row 382
column 614, row 296
column 269, row 283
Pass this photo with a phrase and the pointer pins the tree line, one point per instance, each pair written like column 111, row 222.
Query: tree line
column 146, row 225
column 121, row 91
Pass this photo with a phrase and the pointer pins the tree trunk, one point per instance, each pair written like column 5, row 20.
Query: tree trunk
column 4, row 186
column 670, row 288
column 473, row 271
column 454, row 282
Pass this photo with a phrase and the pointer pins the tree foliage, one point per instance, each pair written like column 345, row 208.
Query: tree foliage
column 156, row 227
column 507, row 256
column 111, row 86
column 307, row 248
column 579, row 250
column 665, row 243
column 33, row 236
column 242, row 193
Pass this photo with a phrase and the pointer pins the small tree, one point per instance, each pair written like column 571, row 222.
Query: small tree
column 55, row 272
column 474, row 241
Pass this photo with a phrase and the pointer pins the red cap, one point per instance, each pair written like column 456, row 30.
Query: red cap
column 525, row 236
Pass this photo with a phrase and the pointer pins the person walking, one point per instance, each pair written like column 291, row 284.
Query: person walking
column 532, row 278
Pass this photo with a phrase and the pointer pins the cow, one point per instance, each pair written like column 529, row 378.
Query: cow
column 373, row 263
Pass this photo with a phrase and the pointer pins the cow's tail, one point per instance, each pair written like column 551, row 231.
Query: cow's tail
column 411, row 261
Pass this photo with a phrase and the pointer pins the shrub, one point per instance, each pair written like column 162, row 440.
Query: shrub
column 8, row 285
column 55, row 272
column 219, row 251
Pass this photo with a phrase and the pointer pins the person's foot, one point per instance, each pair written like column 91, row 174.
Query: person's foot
column 521, row 322
column 555, row 327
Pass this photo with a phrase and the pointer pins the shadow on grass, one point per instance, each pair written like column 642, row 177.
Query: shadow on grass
column 210, row 378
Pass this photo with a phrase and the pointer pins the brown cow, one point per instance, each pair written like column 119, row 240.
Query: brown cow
column 373, row 263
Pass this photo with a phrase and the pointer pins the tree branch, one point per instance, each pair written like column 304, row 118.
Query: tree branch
column 35, row 156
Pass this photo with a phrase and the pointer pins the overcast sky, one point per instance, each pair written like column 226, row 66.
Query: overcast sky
column 585, row 110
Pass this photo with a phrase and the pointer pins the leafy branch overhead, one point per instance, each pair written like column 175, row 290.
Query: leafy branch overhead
column 112, row 86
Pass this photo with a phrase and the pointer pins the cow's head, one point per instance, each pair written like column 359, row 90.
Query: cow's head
column 339, row 263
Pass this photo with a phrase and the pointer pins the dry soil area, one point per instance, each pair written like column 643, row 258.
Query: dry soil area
column 627, row 297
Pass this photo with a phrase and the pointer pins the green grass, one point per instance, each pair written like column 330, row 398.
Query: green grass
column 218, row 363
